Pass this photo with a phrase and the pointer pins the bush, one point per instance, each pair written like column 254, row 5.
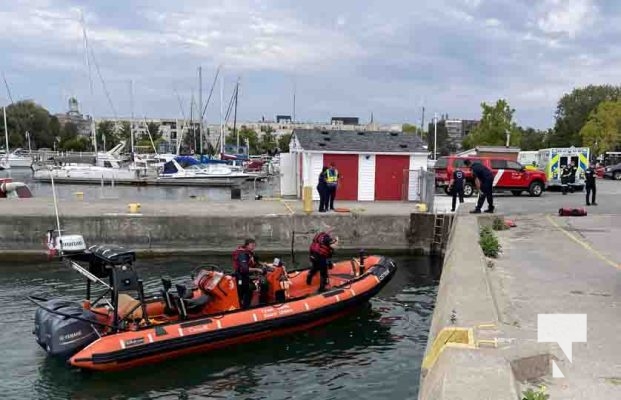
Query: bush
column 489, row 242
column 531, row 394
column 499, row 224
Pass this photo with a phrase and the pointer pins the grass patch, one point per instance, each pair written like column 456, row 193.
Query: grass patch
column 489, row 242
column 498, row 224
column 539, row 394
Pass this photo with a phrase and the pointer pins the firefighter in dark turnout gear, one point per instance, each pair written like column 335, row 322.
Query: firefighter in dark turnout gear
column 590, row 184
column 566, row 174
column 244, row 262
column 321, row 252
column 456, row 187
column 485, row 183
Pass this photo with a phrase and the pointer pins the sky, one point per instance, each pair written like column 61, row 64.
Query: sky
column 341, row 57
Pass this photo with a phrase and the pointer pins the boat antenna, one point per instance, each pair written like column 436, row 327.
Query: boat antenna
column 60, row 241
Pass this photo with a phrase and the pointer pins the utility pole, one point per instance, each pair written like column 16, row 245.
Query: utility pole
column 435, row 136
column 221, row 111
column 294, row 90
column 200, row 105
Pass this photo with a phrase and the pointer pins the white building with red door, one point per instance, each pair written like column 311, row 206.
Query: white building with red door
column 372, row 165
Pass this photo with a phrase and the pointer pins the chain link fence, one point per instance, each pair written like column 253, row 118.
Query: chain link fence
column 420, row 186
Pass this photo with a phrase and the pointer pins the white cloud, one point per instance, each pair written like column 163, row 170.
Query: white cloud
column 568, row 17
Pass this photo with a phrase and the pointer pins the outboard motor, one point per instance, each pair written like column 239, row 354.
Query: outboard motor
column 64, row 333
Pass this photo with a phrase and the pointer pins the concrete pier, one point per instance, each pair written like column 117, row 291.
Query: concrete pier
column 197, row 226
column 483, row 338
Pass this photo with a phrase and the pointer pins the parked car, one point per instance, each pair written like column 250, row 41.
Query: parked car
column 508, row 175
column 613, row 172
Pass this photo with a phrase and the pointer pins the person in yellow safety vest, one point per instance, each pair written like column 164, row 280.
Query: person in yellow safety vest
column 332, row 180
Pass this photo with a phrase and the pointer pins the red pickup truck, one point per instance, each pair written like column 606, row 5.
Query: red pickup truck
column 508, row 175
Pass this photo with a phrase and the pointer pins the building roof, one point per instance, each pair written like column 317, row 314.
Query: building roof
column 358, row 141
column 489, row 149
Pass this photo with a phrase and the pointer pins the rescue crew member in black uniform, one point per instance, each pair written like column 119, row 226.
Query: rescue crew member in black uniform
column 485, row 178
column 456, row 187
column 321, row 252
column 322, row 188
column 565, row 177
column 590, row 176
column 244, row 262
column 572, row 176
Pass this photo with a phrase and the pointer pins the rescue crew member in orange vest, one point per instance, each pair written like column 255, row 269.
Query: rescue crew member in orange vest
column 321, row 252
column 332, row 180
column 244, row 262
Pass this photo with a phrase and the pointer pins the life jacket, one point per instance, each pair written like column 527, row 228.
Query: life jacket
column 318, row 247
column 238, row 251
column 331, row 176
column 572, row 212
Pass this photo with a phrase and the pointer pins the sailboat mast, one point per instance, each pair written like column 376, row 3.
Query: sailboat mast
column 221, row 111
column 235, row 115
column 131, row 125
column 200, row 106
column 90, row 80
column 6, row 134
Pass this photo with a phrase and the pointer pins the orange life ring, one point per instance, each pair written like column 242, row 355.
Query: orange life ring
column 342, row 210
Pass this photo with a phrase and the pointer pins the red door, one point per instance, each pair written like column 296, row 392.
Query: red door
column 390, row 176
column 347, row 165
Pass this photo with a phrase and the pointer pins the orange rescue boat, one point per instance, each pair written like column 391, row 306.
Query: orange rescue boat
column 204, row 314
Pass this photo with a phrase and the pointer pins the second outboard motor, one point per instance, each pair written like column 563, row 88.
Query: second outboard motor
column 60, row 335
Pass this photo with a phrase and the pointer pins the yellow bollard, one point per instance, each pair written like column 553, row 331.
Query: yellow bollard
column 79, row 195
column 307, row 197
column 134, row 207
column 421, row 207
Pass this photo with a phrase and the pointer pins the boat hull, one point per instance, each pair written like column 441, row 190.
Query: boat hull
column 135, row 348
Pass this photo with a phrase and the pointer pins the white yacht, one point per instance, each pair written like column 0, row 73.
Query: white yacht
column 20, row 159
column 190, row 168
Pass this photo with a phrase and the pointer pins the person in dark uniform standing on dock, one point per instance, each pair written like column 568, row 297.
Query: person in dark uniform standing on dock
column 244, row 262
column 590, row 176
column 485, row 183
column 332, row 179
column 322, row 188
column 456, row 187
column 321, row 252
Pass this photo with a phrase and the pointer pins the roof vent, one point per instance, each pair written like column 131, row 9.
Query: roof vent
column 322, row 144
column 403, row 146
column 394, row 133
column 327, row 139
column 360, row 133
column 325, row 132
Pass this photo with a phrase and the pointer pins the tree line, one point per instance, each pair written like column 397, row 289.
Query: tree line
column 589, row 116
column 28, row 121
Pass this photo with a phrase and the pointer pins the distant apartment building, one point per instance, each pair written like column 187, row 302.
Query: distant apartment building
column 455, row 130
column 73, row 115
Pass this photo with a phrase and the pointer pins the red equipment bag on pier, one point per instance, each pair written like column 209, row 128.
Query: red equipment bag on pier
column 572, row 212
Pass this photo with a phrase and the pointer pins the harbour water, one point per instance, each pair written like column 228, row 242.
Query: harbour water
column 374, row 353
column 249, row 189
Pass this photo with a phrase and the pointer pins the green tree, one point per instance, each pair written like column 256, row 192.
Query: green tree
column 267, row 143
column 602, row 131
column 245, row 135
column 438, row 131
column 106, row 128
column 531, row 139
column 68, row 134
column 78, row 143
column 27, row 116
column 573, row 110
column 283, row 143
column 409, row 128
column 496, row 122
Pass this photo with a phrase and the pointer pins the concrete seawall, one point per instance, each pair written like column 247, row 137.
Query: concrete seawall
column 216, row 229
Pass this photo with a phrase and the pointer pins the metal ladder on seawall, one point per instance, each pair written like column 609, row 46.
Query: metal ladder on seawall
column 438, row 231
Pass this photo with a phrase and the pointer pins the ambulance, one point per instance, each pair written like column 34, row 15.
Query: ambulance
column 554, row 159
